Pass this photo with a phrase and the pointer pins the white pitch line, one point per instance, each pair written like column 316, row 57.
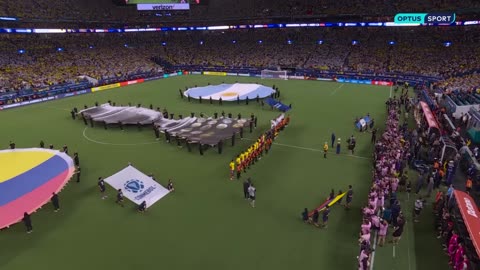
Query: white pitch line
column 336, row 89
column 116, row 144
column 391, row 88
column 393, row 250
column 374, row 248
column 309, row 149
column 408, row 240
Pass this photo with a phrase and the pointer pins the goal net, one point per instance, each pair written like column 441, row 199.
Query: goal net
column 274, row 74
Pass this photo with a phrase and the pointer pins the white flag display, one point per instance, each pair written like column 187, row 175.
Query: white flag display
column 137, row 186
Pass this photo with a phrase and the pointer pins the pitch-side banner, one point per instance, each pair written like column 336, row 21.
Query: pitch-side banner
column 137, row 186
column 214, row 73
column 159, row 7
column 105, row 87
column 383, row 83
column 132, row 82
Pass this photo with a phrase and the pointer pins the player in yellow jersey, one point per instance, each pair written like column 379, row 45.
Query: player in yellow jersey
column 238, row 161
column 252, row 154
column 244, row 161
column 249, row 156
column 325, row 150
column 232, row 169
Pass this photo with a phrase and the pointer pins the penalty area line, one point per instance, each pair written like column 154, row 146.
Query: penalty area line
column 114, row 144
column 310, row 149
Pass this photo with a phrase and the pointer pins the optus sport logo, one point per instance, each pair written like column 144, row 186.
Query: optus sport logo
column 421, row 18
column 134, row 186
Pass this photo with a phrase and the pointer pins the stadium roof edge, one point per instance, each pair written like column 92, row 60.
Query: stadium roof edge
column 221, row 27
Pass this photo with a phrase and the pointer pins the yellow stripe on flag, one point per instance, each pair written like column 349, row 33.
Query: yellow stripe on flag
column 337, row 199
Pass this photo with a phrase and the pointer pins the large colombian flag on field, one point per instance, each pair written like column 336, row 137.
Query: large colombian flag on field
column 27, row 179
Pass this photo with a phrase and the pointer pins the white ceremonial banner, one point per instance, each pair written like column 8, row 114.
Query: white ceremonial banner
column 137, row 186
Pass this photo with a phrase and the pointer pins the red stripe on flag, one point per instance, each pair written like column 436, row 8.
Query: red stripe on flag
column 319, row 208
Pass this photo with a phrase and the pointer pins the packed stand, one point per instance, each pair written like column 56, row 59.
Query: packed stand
column 52, row 59
column 60, row 59
column 468, row 83
column 437, row 52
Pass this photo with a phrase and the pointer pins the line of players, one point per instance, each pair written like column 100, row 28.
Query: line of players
column 255, row 152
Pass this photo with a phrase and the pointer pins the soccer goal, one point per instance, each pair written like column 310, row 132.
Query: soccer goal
column 274, row 74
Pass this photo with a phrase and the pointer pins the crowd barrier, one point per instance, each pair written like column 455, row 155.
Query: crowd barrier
column 295, row 77
column 39, row 100
column 71, row 94
column 313, row 74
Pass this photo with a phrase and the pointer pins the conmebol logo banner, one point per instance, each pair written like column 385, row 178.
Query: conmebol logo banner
column 136, row 186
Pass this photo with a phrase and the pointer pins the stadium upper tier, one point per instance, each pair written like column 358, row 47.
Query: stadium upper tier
column 36, row 61
column 79, row 12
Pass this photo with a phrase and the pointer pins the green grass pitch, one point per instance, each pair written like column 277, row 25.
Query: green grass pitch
column 206, row 223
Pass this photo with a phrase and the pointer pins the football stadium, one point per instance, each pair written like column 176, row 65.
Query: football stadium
column 137, row 134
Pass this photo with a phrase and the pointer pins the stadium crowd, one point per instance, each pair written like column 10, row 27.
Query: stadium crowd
column 38, row 61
